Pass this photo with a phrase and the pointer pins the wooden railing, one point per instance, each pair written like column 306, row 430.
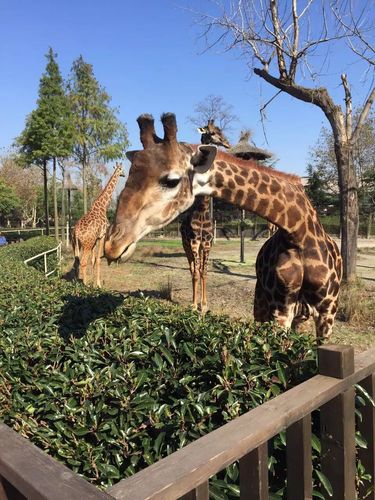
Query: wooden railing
column 185, row 474
column 47, row 272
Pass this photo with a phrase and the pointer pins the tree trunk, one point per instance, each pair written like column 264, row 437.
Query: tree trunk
column 33, row 217
column 63, row 213
column 349, row 218
column 46, row 203
column 84, row 186
column 55, row 209
column 369, row 225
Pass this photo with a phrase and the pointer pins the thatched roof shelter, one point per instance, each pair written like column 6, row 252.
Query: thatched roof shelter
column 247, row 151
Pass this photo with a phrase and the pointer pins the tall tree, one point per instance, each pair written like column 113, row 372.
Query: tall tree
column 213, row 107
column 322, row 166
column 280, row 41
column 99, row 135
column 48, row 133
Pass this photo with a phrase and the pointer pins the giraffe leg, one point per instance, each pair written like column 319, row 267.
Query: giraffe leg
column 262, row 312
column 100, row 247
column 83, row 265
column 203, row 273
column 195, row 271
column 93, row 260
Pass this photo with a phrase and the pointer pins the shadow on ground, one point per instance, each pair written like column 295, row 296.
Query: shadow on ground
column 79, row 312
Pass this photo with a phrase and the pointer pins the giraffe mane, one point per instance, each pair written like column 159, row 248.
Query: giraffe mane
column 292, row 178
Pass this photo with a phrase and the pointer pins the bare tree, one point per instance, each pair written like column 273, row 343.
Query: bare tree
column 26, row 182
column 281, row 41
column 213, row 107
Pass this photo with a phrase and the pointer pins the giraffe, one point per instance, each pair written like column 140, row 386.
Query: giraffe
column 196, row 226
column 91, row 229
column 298, row 269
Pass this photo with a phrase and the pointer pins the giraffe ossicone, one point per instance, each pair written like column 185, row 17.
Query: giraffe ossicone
column 298, row 269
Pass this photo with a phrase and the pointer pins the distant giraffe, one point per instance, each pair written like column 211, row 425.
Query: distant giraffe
column 298, row 270
column 196, row 226
column 91, row 229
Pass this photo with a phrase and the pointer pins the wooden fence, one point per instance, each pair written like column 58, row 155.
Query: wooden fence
column 26, row 472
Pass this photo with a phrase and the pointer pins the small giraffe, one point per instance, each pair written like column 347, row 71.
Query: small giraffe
column 299, row 268
column 91, row 229
column 196, row 226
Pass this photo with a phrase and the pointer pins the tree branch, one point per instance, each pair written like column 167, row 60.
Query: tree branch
column 279, row 41
column 364, row 113
column 348, row 107
column 294, row 51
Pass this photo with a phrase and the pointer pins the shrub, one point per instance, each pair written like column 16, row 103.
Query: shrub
column 108, row 384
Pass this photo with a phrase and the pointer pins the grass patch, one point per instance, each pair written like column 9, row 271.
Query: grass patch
column 355, row 304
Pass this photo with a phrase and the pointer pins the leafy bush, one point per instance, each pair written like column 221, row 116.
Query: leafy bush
column 108, row 385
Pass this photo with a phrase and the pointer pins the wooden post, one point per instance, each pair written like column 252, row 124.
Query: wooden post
column 199, row 493
column 242, row 237
column 254, row 474
column 299, row 461
column 367, row 430
column 337, row 424
column 9, row 492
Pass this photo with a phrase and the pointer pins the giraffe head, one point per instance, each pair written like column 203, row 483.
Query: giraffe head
column 119, row 170
column 211, row 134
column 163, row 181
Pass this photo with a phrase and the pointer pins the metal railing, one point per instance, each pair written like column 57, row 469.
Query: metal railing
column 44, row 255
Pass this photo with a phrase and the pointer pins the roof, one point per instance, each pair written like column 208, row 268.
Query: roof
column 243, row 149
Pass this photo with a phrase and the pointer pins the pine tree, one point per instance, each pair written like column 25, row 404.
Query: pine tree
column 99, row 135
column 49, row 131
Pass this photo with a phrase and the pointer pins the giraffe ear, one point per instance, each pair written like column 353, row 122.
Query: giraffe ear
column 130, row 154
column 204, row 158
column 201, row 130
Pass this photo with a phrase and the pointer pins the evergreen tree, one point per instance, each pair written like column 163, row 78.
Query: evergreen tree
column 49, row 131
column 99, row 135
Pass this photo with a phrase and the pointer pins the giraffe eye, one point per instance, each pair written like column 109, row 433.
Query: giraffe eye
column 170, row 182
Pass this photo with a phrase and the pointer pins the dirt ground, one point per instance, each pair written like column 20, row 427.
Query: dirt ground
column 159, row 266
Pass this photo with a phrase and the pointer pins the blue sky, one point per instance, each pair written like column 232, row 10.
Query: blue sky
column 148, row 57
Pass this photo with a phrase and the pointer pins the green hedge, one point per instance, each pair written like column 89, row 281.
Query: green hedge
column 108, row 384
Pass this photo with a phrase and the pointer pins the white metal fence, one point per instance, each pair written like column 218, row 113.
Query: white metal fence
column 44, row 255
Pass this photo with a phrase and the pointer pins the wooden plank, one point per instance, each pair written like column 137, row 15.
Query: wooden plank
column 38, row 476
column 177, row 474
column 199, row 493
column 367, row 430
column 254, row 474
column 9, row 492
column 299, row 461
column 337, row 426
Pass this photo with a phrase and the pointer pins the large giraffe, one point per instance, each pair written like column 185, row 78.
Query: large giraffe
column 196, row 226
column 298, row 269
column 91, row 229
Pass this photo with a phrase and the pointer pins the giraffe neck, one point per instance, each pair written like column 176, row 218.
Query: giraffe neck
column 275, row 196
column 202, row 203
column 105, row 196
